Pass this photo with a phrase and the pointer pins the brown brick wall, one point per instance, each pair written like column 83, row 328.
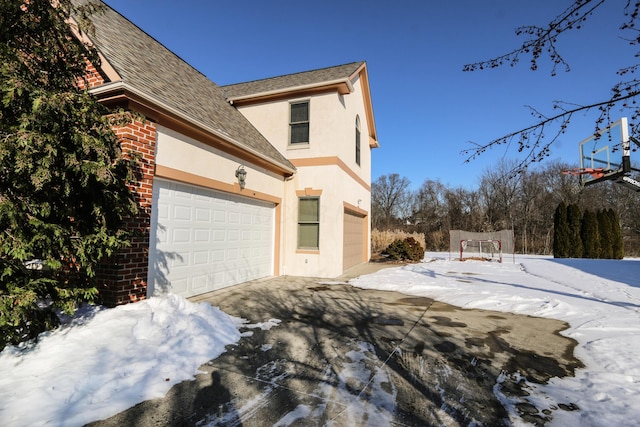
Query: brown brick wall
column 92, row 77
column 123, row 278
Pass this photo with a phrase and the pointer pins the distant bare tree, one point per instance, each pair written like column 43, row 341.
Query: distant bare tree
column 559, row 186
column 429, row 214
column 390, row 199
column 529, row 212
column 525, row 202
column 499, row 191
column 464, row 211
column 541, row 192
column 428, row 204
column 535, row 140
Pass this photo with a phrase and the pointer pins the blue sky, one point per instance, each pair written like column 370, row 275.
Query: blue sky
column 426, row 108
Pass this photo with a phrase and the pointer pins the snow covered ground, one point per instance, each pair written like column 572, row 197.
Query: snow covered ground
column 104, row 361
column 600, row 299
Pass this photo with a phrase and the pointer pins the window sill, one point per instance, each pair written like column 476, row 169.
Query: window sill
column 308, row 251
column 298, row 146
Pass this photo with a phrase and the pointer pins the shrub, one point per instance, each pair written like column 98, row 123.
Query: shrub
column 561, row 232
column 380, row 240
column 416, row 251
column 64, row 193
column 408, row 249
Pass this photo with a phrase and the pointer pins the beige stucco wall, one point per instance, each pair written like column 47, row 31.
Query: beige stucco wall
column 183, row 153
column 332, row 135
column 331, row 132
column 337, row 188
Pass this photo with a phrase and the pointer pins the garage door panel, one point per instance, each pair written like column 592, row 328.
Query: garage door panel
column 181, row 235
column 203, row 215
column 163, row 212
column 201, row 258
column 201, row 235
column 199, row 283
column 206, row 240
column 353, row 240
column 182, row 213
column 233, row 218
column 231, row 254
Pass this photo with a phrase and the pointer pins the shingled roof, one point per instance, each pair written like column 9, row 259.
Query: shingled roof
column 146, row 66
column 332, row 79
column 292, row 81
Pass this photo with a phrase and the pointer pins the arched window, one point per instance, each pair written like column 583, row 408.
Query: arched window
column 358, row 140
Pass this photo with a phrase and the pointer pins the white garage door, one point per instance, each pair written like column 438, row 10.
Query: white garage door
column 203, row 240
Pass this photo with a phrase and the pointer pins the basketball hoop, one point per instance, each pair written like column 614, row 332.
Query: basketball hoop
column 594, row 172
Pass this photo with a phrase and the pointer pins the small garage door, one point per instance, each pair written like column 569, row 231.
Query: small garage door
column 353, row 241
column 203, row 240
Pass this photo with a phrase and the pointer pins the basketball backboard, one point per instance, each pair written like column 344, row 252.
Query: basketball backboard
column 606, row 153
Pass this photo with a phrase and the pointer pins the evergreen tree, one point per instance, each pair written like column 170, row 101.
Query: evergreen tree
column 617, row 244
column 574, row 222
column 590, row 235
column 606, row 238
column 63, row 179
column 560, row 232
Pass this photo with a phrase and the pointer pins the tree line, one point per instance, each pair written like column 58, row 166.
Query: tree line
column 524, row 202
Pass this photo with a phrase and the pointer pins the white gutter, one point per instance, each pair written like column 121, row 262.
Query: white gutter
column 120, row 85
column 289, row 89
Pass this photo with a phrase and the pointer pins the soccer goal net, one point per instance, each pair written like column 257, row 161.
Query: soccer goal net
column 487, row 246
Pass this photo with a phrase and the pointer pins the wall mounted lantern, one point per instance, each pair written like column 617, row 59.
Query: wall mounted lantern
column 241, row 174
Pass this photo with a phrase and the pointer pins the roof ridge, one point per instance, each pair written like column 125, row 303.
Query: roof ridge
column 294, row 74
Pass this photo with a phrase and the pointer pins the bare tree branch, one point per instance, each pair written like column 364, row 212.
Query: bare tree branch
column 543, row 39
column 535, row 140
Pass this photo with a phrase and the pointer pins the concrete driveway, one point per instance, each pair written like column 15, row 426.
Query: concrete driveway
column 341, row 356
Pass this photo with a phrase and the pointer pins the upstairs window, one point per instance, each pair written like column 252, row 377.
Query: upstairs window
column 358, row 140
column 309, row 223
column 299, row 123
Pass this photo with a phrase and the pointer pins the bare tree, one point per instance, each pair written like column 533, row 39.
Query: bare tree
column 555, row 188
column 535, row 141
column 389, row 200
column 533, row 215
column 464, row 211
column 429, row 214
column 525, row 202
column 428, row 204
column 560, row 187
column 499, row 192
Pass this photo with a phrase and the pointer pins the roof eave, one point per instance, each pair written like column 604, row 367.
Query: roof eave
column 342, row 86
column 368, row 104
column 119, row 91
